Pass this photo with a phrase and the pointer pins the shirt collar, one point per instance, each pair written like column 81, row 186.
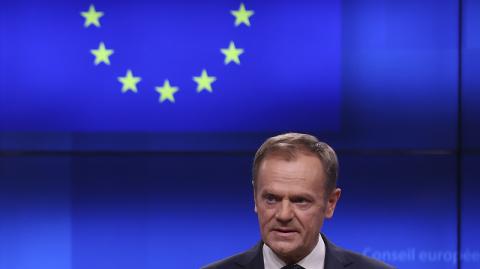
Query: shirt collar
column 314, row 260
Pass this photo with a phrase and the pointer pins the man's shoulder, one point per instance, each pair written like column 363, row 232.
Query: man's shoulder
column 336, row 257
column 251, row 258
column 229, row 262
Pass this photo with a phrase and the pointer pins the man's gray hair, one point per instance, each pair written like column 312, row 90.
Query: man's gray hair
column 289, row 144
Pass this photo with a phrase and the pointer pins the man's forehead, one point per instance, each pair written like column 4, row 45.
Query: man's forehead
column 280, row 171
column 289, row 192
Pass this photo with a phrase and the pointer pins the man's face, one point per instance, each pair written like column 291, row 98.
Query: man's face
column 291, row 204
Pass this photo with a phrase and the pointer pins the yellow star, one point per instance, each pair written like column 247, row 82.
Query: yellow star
column 232, row 53
column 101, row 54
column 129, row 82
column 166, row 92
column 92, row 16
column 242, row 15
column 204, row 81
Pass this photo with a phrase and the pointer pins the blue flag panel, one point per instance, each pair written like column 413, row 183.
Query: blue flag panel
column 226, row 66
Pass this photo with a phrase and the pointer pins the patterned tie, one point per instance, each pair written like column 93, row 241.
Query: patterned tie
column 292, row 266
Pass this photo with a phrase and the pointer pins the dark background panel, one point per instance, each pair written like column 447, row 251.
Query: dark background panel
column 165, row 210
column 35, row 204
column 400, row 209
column 470, row 212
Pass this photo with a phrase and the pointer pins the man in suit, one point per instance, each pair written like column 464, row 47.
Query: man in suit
column 294, row 182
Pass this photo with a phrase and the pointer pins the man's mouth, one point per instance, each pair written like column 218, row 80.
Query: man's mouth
column 284, row 231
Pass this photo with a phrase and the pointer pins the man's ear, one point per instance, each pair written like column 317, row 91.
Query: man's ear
column 332, row 202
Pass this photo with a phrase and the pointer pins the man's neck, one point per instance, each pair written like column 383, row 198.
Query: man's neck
column 309, row 259
column 296, row 258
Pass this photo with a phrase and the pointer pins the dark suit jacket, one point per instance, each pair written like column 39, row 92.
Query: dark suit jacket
column 335, row 258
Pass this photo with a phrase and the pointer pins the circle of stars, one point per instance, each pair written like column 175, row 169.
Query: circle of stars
column 167, row 91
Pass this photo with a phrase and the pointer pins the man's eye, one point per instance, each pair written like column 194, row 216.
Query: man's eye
column 300, row 201
column 270, row 199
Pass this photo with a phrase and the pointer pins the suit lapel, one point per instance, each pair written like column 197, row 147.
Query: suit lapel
column 252, row 258
column 334, row 256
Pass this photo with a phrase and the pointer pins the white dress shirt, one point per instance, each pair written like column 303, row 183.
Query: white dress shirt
column 314, row 260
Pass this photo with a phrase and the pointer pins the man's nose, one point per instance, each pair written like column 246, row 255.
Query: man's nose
column 284, row 211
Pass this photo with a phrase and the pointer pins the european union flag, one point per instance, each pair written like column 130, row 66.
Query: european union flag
column 174, row 66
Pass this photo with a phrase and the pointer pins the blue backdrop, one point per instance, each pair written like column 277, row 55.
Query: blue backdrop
column 93, row 177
